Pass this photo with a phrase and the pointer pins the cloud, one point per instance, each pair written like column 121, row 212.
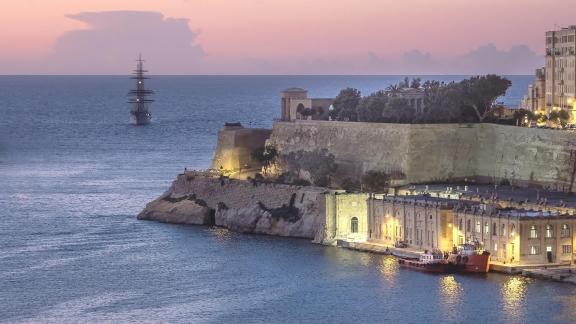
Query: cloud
column 519, row 59
column 113, row 39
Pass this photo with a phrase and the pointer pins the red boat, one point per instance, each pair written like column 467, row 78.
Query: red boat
column 428, row 262
column 470, row 257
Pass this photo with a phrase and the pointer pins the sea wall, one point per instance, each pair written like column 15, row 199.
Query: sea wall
column 439, row 152
column 242, row 206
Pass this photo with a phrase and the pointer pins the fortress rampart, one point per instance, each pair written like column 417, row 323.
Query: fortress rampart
column 439, row 152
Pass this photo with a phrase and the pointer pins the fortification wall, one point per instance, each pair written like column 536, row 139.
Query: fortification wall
column 439, row 152
column 235, row 146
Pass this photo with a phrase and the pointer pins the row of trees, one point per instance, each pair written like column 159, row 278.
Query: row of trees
column 470, row 100
column 555, row 117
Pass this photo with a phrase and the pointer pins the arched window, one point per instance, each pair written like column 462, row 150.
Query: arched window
column 549, row 231
column 503, row 230
column 533, row 232
column 512, row 230
column 494, row 229
column 478, row 227
column 468, row 226
column 460, row 224
column 354, row 225
column 565, row 230
column 486, row 228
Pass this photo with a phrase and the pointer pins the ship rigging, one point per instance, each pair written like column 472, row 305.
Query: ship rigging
column 140, row 113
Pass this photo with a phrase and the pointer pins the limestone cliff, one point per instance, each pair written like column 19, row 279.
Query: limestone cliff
column 242, row 206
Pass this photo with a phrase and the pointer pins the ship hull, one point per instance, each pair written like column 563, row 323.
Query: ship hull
column 476, row 263
column 424, row 267
column 140, row 119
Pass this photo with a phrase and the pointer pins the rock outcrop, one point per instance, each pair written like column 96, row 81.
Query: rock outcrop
column 169, row 209
column 241, row 206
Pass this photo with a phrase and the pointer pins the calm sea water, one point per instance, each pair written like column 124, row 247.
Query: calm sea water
column 74, row 173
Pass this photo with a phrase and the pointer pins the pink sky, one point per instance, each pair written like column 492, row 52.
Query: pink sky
column 278, row 36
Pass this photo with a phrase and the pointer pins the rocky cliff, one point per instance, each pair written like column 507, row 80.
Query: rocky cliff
column 242, row 206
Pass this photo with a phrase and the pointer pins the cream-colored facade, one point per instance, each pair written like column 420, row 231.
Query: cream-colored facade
column 421, row 222
column 346, row 217
column 512, row 236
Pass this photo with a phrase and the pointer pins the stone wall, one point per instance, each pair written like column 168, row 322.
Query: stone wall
column 439, row 152
column 235, row 146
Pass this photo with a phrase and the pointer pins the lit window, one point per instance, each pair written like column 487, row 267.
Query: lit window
column 565, row 231
column 486, row 228
column 533, row 232
column 534, row 250
column 566, row 249
column 549, row 231
column 478, row 227
column 512, row 230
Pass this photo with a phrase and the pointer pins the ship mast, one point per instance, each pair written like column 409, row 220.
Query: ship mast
column 140, row 94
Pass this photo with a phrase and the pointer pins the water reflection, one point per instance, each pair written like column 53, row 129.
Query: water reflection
column 513, row 293
column 221, row 234
column 450, row 290
column 389, row 268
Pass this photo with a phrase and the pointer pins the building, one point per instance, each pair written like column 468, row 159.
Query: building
column 554, row 86
column 295, row 105
column 512, row 235
column 560, row 68
column 535, row 99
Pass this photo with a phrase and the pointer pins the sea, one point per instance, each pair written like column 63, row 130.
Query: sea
column 74, row 174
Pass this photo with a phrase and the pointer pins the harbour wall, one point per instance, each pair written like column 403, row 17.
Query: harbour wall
column 424, row 153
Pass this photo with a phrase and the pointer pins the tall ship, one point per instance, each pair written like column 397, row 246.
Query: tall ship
column 140, row 97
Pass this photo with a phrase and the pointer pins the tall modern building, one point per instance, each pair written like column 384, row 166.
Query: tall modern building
column 560, row 68
column 554, row 86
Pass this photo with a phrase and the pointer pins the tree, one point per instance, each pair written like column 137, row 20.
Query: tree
column 522, row 116
column 320, row 164
column 480, row 92
column 416, row 83
column 559, row 117
column 399, row 110
column 266, row 156
column 345, row 105
column 371, row 108
column 375, row 181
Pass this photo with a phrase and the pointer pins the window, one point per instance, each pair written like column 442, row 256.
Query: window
column 533, row 232
column 468, row 226
column 494, row 229
column 566, row 249
column 512, row 230
column 495, row 247
column 503, row 230
column 486, row 228
column 549, row 231
column 460, row 224
column 565, row 230
column 478, row 229
column 354, row 225
column 534, row 250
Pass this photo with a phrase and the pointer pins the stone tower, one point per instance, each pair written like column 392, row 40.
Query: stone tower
column 288, row 95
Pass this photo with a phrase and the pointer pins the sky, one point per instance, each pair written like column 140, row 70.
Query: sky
column 416, row 37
